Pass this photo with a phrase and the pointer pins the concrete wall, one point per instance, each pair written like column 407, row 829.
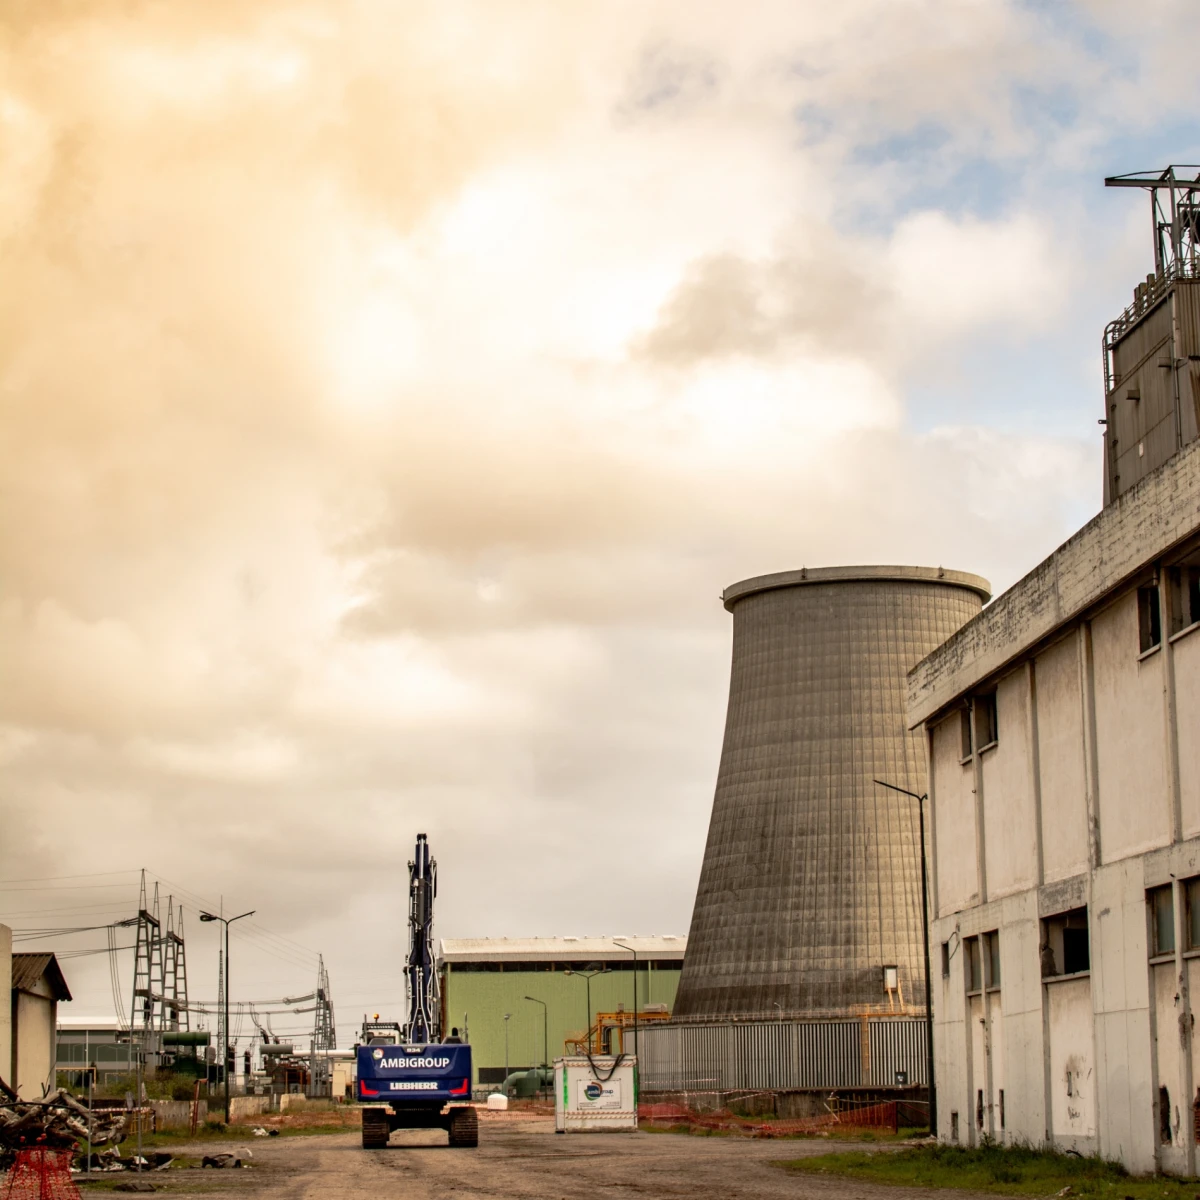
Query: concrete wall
column 6, row 1009
column 33, row 1043
column 177, row 1114
column 241, row 1107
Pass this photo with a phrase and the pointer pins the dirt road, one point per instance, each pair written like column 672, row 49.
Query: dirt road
column 525, row 1160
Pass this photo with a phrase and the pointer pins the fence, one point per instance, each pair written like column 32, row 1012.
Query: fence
column 782, row 1055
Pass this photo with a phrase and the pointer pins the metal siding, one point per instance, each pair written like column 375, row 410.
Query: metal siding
column 779, row 1056
column 487, row 995
column 897, row 1046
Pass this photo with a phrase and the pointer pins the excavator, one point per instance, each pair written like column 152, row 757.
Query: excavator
column 409, row 1076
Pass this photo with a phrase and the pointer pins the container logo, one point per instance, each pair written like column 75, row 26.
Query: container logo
column 593, row 1091
column 377, row 1053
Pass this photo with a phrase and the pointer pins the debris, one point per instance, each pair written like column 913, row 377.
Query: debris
column 259, row 1131
column 57, row 1122
column 1064, row 1191
column 135, row 1185
column 220, row 1161
column 273, row 1133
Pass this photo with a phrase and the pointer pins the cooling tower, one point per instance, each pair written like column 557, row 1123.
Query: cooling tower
column 811, row 883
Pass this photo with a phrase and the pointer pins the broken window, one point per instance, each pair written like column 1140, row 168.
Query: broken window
column 991, row 945
column 946, row 959
column 954, row 1127
column 1185, row 597
column 986, row 730
column 1149, row 619
column 1064, row 948
column 974, row 965
column 1162, row 920
column 1164, row 1116
column 1191, row 893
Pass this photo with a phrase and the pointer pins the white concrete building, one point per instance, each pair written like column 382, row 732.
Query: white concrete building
column 1064, row 778
column 37, row 987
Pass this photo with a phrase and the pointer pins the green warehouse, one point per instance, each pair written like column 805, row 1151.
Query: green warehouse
column 542, row 985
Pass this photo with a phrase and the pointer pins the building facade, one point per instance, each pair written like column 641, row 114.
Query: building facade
column 1064, row 782
column 482, row 979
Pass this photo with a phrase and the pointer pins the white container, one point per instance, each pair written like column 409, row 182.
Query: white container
column 497, row 1102
column 595, row 1093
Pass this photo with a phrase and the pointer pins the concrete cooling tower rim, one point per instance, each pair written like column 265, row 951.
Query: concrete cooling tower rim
column 787, row 579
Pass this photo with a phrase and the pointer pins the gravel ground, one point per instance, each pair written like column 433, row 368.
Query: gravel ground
column 523, row 1158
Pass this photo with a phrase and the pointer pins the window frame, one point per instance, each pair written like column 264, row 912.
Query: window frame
column 1149, row 619
column 1160, row 904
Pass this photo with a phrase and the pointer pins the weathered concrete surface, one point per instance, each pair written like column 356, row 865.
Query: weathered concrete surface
column 519, row 1159
column 1144, row 523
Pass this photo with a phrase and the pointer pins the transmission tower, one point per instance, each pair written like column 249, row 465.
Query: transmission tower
column 147, row 962
column 175, row 1001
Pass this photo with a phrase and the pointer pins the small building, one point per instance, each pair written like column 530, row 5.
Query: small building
column 482, row 979
column 37, row 988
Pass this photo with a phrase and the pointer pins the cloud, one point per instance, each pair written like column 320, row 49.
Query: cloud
column 390, row 390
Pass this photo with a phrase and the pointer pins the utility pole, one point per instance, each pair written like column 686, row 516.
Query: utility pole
column 636, row 1043
column 594, row 969
column 925, row 916
column 545, row 1030
column 226, row 921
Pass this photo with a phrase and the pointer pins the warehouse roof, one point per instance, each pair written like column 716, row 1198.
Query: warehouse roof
column 27, row 969
column 562, row 949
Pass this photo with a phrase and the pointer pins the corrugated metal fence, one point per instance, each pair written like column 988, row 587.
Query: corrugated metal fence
column 780, row 1055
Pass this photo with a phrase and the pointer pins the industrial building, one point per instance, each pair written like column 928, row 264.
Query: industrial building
column 543, row 985
column 1064, row 781
column 805, row 954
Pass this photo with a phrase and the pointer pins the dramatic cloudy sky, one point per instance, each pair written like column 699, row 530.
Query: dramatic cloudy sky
column 389, row 389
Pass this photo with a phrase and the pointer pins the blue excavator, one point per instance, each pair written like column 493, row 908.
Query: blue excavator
column 409, row 1076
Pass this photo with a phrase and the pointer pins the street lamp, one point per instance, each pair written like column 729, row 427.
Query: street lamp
column 925, row 914
column 504, row 1085
column 636, row 1043
column 545, row 1031
column 226, row 921
column 593, row 970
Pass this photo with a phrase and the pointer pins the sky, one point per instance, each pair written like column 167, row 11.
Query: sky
column 389, row 389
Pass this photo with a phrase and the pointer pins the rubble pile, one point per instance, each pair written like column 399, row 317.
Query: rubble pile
column 58, row 1121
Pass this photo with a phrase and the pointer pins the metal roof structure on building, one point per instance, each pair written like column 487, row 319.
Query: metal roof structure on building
column 27, row 969
column 561, row 949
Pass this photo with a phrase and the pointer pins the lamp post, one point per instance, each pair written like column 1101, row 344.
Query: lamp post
column 545, row 1030
column 920, row 799
column 504, row 1085
column 226, row 921
column 636, row 1042
column 589, row 975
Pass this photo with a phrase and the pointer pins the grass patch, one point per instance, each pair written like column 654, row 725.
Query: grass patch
column 1006, row 1171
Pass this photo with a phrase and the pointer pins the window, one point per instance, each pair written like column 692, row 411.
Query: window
column 1185, row 597
column 965, row 732
column 974, row 965
column 1162, row 920
column 1149, row 619
column 1064, row 949
column 891, row 978
column 991, row 946
column 954, row 1127
column 1191, row 894
column 985, row 720
column 1001, row 1108
column 946, row 958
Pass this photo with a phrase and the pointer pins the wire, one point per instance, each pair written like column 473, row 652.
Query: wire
column 85, row 875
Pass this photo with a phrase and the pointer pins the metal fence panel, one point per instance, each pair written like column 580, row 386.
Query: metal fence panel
column 898, row 1046
column 780, row 1055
